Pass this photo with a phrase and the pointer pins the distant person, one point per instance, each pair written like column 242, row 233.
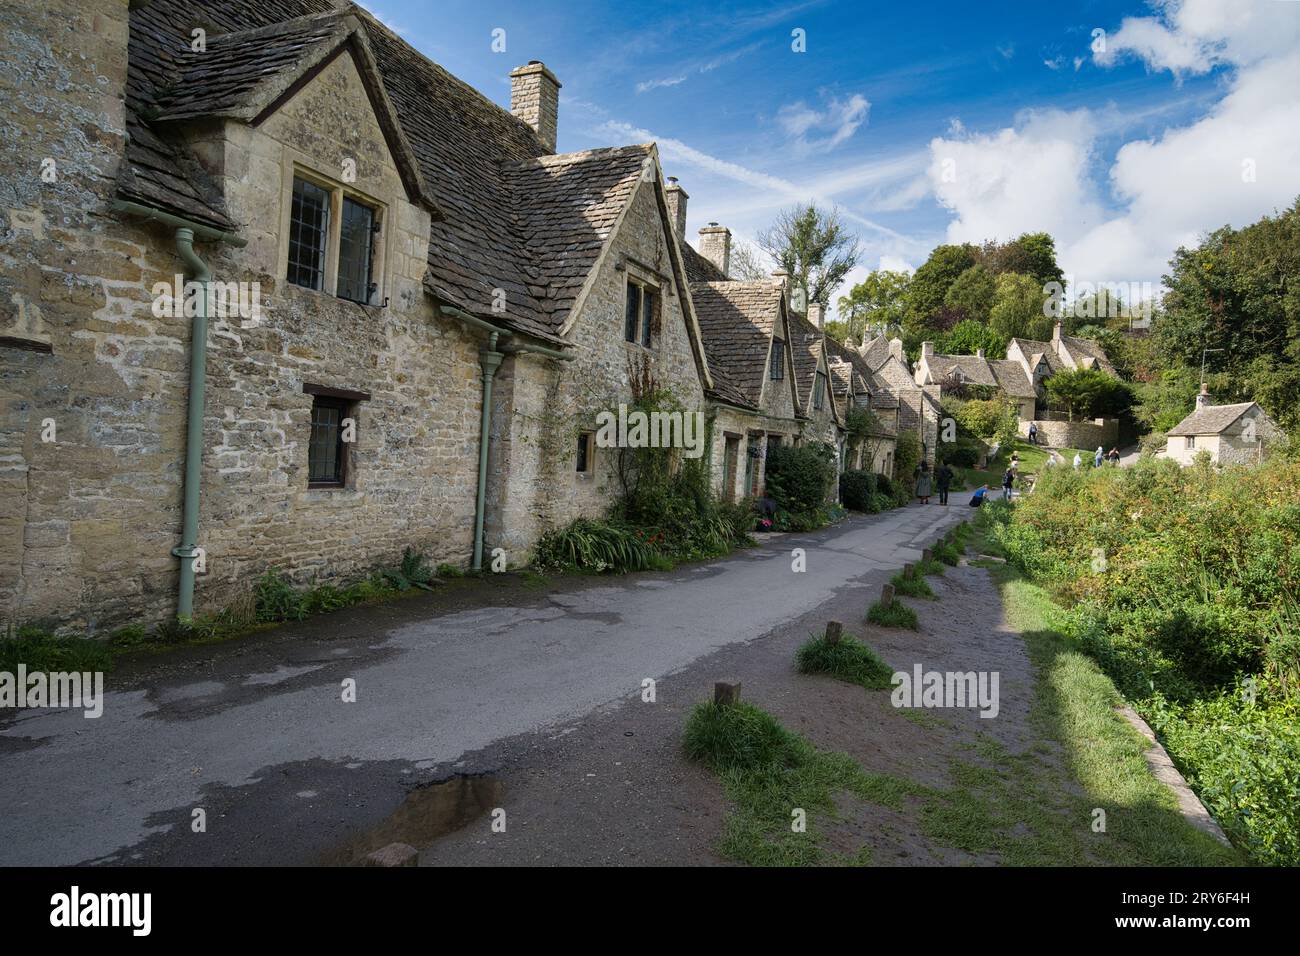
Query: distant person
column 1114, row 457
column 1015, row 462
column 1033, row 433
column 1008, row 479
column 924, row 482
column 1096, row 459
column 943, row 478
column 977, row 499
column 1051, row 460
column 1078, row 460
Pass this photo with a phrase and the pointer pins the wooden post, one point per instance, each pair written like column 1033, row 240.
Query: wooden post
column 887, row 596
column 909, row 570
column 834, row 631
column 927, row 555
column 725, row 694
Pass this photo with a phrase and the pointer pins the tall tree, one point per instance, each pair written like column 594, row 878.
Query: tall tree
column 747, row 262
column 1018, row 308
column 972, row 293
column 815, row 247
column 876, row 304
column 930, row 284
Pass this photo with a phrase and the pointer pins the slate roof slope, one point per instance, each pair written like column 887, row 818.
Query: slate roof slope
column 876, row 352
column 1210, row 420
column 973, row 368
column 736, row 322
column 1012, row 378
column 806, row 346
column 1032, row 347
column 698, row 268
column 1087, row 348
column 512, row 216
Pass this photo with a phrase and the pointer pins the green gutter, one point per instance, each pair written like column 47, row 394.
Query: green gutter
column 198, row 271
column 490, row 359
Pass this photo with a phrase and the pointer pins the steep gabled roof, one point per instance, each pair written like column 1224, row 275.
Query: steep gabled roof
column 1211, row 419
column 737, row 320
column 1012, row 379
column 972, row 368
column 875, row 352
column 507, row 216
column 808, row 352
column 1082, row 349
column 1032, row 347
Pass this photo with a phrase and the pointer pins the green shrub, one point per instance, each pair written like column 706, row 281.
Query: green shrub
column 857, row 488
column 896, row 615
column 411, row 573
column 596, row 546
column 799, row 479
column 275, row 599
column 847, row 659
column 947, row 552
column 885, row 486
column 450, row 571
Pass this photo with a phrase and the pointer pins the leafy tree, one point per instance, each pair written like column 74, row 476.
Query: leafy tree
column 929, row 286
column 815, row 247
column 877, row 302
column 747, row 263
column 1017, row 310
column 1238, row 292
column 972, row 293
column 1033, row 254
column 968, row 337
column 1089, row 392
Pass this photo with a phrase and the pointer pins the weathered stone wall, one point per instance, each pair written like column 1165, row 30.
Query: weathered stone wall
column 535, row 483
column 1089, row 434
column 93, row 515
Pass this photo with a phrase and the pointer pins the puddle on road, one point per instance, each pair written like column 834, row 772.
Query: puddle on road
column 425, row 815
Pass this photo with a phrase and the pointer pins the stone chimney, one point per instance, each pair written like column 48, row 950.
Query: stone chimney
column 1203, row 397
column 1056, row 337
column 535, row 99
column 896, row 349
column 815, row 313
column 927, row 350
column 715, row 245
column 676, row 198
column 781, row 278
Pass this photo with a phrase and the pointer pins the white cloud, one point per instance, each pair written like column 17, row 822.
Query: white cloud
column 1240, row 160
column 647, row 85
column 836, row 123
column 895, row 264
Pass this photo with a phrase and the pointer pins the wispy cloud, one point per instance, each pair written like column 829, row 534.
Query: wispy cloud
column 835, row 123
column 696, row 69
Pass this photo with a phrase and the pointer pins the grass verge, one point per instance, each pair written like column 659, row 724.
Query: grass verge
column 916, row 586
column 896, row 615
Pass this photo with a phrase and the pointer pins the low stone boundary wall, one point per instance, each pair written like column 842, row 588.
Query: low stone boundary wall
column 1088, row 434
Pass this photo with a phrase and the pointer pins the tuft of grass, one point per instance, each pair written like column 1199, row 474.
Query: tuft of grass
column 933, row 566
column 896, row 615
column 768, row 773
column 948, row 553
column 917, row 587
column 849, row 660
column 450, row 571
column 42, row 650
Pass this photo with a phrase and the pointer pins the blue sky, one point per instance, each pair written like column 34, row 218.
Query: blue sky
column 924, row 122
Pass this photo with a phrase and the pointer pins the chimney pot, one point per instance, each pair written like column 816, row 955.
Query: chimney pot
column 1203, row 396
column 535, row 99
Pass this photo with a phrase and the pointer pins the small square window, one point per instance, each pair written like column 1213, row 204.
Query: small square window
column 308, row 229
column 1189, row 441
column 586, row 453
column 326, row 450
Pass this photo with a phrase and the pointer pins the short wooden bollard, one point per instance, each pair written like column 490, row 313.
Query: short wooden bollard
column 725, row 694
column 834, row 631
column 909, row 570
column 927, row 555
column 887, row 595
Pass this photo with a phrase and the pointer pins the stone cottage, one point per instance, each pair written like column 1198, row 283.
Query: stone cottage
column 432, row 306
column 1236, row 434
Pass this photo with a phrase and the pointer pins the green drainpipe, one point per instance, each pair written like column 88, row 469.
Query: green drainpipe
column 490, row 359
column 198, row 270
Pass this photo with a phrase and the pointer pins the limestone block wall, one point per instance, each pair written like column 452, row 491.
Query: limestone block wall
column 1087, row 434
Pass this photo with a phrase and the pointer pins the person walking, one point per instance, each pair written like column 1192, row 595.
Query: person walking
column 1078, row 460
column 1096, row 459
column 1033, row 433
column 924, row 481
column 943, row 478
column 1008, row 479
column 1114, row 457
